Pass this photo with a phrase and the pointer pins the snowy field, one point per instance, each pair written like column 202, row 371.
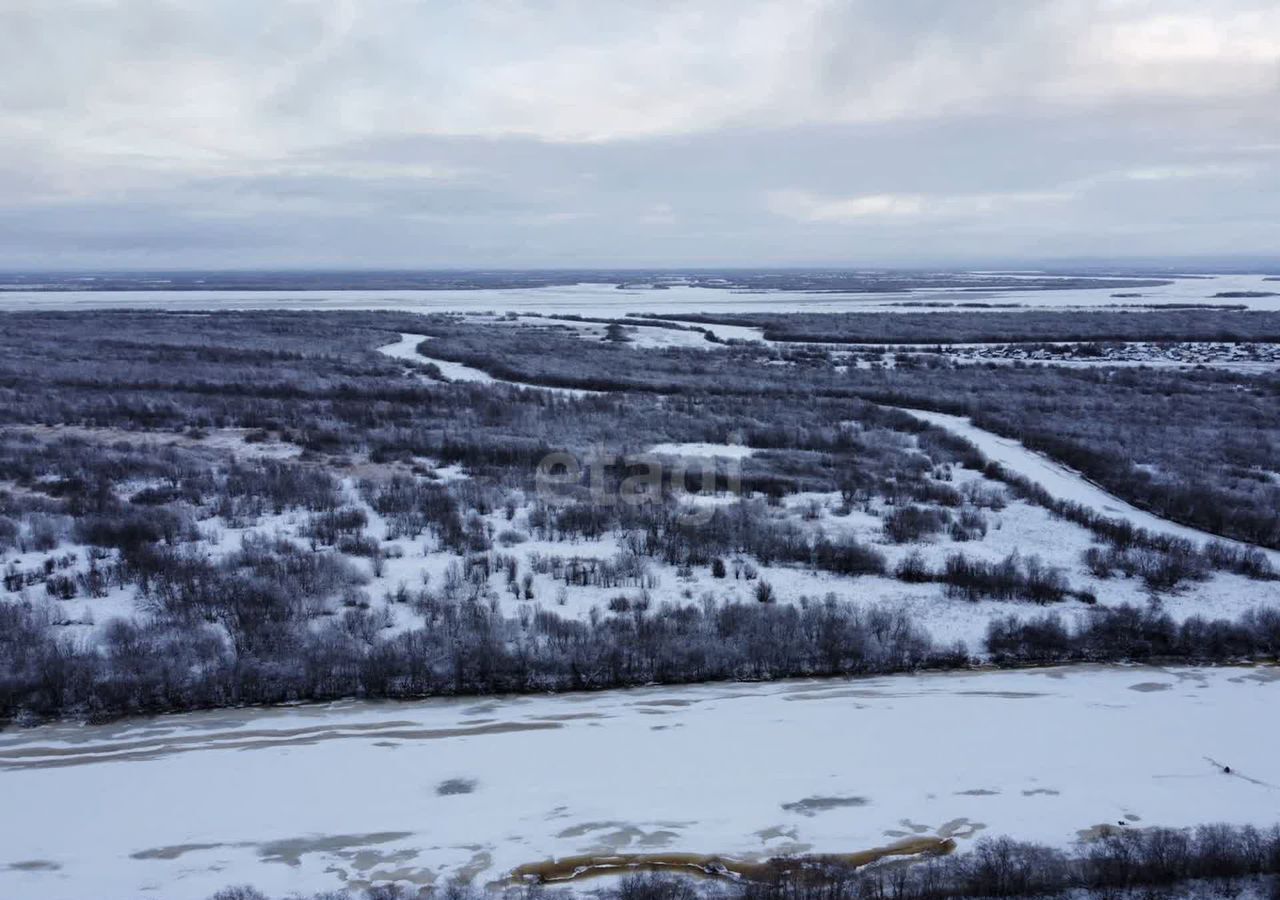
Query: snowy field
column 315, row 797
column 607, row 300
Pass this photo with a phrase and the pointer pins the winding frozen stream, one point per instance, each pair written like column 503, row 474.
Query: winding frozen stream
column 309, row 798
column 407, row 349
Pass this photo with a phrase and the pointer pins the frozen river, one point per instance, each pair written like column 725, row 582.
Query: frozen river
column 314, row 797
column 606, row 299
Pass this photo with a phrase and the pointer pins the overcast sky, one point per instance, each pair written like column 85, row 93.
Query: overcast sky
column 503, row 133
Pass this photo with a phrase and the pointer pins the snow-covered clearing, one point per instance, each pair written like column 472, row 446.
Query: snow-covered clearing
column 702, row 450
column 1064, row 483
column 314, row 797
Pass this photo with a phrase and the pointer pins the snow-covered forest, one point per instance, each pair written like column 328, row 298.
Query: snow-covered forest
column 220, row 508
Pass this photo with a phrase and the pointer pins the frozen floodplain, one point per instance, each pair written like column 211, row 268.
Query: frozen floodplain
column 317, row 797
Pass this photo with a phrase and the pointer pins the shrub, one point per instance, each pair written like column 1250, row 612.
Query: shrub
column 912, row 569
column 906, row 524
column 509, row 537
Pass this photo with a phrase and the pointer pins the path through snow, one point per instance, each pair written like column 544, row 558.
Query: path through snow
column 1065, row 483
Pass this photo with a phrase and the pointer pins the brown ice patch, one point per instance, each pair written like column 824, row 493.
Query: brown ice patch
column 977, row 792
column 34, row 865
column 1046, row 792
column 1150, row 687
column 572, row 868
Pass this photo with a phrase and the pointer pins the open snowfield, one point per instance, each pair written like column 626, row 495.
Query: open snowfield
column 315, row 797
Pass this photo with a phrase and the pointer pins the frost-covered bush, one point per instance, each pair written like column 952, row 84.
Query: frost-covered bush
column 908, row 524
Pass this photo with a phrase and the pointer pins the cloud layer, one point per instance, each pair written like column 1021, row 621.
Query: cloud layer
column 183, row 133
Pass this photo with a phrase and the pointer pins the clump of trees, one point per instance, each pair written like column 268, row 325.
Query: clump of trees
column 1131, row 634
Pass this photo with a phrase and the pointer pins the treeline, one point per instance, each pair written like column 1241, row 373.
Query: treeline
column 1023, row 326
column 1219, row 857
column 465, row 647
column 1131, row 634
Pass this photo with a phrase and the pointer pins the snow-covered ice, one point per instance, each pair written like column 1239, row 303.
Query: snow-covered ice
column 407, row 349
column 309, row 798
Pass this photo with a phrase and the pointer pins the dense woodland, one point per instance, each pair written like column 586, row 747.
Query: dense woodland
column 127, row 434
column 1202, row 448
column 946, row 327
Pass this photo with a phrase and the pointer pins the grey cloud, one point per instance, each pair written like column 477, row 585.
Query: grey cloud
column 185, row 133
